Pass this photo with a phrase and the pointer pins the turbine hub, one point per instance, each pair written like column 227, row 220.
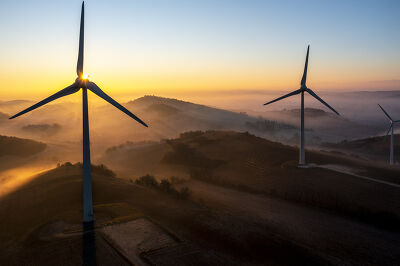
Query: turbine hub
column 82, row 83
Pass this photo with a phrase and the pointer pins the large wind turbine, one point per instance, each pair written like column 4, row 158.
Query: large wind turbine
column 303, row 88
column 392, row 122
column 83, row 83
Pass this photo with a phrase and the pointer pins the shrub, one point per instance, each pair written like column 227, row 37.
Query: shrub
column 165, row 186
column 147, row 180
column 184, row 193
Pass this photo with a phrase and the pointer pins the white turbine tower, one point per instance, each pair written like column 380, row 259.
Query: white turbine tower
column 392, row 122
column 83, row 83
column 303, row 88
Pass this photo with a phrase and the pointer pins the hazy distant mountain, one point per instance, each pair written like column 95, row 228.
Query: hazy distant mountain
column 3, row 117
column 377, row 94
column 195, row 112
column 169, row 117
column 324, row 125
column 13, row 102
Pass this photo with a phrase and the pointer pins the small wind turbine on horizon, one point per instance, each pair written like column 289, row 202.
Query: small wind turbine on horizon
column 303, row 88
column 83, row 83
column 392, row 122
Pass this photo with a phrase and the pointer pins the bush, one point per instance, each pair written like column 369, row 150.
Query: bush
column 147, row 180
column 184, row 193
column 97, row 169
column 165, row 186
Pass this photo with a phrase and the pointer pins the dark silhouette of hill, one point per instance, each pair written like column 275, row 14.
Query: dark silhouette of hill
column 19, row 147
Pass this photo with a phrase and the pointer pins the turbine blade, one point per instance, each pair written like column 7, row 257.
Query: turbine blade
column 387, row 133
column 79, row 66
column 304, row 78
column 285, row 96
column 322, row 101
column 64, row 92
column 96, row 90
column 385, row 112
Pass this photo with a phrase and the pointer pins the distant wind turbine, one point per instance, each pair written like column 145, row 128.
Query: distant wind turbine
column 303, row 89
column 83, row 83
column 392, row 122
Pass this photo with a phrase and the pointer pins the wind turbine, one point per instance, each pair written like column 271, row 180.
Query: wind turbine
column 83, row 83
column 392, row 122
column 303, row 88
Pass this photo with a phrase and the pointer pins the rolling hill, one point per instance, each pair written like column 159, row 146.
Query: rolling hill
column 248, row 204
column 373, row 148
column 244, row 161
column 167, row 118
column 18, row 147
column 41, row 225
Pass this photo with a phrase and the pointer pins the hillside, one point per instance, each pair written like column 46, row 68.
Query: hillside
column 172, row 114
column 41, row 225
column 245, row 161
column 14, row 146
column 168, row 117
column 373, row 148
column 246, row 203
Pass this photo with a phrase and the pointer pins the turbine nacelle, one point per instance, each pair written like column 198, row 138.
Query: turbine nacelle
column 81, row 82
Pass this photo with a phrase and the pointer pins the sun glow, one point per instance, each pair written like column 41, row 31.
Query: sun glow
column 85, row 76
